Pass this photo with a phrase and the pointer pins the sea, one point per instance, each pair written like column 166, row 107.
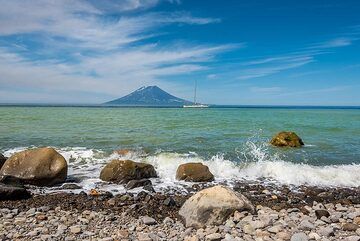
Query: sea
column 232, row 141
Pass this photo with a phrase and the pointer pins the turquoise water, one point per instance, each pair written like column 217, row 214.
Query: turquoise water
column 235, row 136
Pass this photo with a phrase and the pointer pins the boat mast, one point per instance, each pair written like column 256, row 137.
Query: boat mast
column 195, row 93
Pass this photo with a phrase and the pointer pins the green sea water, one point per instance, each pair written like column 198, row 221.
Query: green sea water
column 238, row 136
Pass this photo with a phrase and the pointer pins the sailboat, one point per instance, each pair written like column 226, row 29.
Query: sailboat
column 195, row 105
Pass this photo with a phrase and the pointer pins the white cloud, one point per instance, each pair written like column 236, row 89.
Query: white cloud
column 83, row 50
column 334, row 43
column 268, row 66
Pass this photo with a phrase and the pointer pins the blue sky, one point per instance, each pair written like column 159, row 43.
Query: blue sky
column 240, row 52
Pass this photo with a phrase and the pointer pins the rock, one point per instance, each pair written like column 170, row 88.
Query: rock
column 275, row 229
column 299, row 237
column 70, row 186
column 8, row 192
column 283, row 235
column 40, row 167
column 213, row 237
column 194, row 172
column 326, row 231
column 168, row 221
column 213, row 206
column 2, row 160
column 286, row 139
column 314, row 236
column 353, row 238
column 191, row 238
column 322, row 213
column 148, row 220
column 149, row 188
column 350, row 227
column 357, row 220
column 122, row 171
column 138, row 183
column 75, row 229
column 169, row 202
column 306, row 225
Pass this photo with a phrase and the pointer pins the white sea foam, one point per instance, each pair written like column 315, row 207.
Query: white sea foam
column 85, row 166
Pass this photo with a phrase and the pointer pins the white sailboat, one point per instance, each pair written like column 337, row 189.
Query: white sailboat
column 195, row 105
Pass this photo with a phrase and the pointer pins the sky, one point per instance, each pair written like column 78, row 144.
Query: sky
column 255, row 52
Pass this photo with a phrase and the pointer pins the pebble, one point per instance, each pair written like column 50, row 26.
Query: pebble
column 75, row 229
column 213, row 237
column 287, row 224
column 299, row 237
column 148, row 220
column 326, row 231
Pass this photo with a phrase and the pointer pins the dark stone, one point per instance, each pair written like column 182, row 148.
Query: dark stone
column 70, row 186
column 83, row 193
column 8, row 192
column 138, row 183
column 2, row 160
column 169, row 202
column 12, row 181
column 322, row 213
column 149, row 188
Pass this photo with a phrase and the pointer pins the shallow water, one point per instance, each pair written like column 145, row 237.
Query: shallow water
column 231, row 141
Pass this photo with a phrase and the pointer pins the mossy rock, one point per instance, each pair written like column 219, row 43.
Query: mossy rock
column 122, row 171
column 286, row 139
column 194, row 172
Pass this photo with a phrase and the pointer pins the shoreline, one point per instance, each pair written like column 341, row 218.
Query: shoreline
column 274, row 196
column 84, row 216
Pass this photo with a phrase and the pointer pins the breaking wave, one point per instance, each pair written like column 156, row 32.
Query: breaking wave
column 254, row 162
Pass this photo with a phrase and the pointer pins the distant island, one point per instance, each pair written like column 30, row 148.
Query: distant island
column 149, row 96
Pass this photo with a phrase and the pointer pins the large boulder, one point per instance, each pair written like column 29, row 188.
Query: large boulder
column 286, row 139
column 122, row 171
column 213, row 206
column 2, row 160
column 8, row 192
column 194, row 172
column 40, row 167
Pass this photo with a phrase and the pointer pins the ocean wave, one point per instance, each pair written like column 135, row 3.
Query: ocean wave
column 256, row 163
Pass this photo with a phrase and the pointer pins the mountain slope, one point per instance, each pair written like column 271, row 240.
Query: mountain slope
column 149, row 96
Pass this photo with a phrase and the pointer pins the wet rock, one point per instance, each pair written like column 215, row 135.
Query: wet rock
column 70, row 186
column 122, row 171
column 8, row 192
column 138, row 183
column 194, row 172
column 169, row 202
column 286, row 139
column 2, row 160
column 40, row 167
column 213, row 206
column 149, row 188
